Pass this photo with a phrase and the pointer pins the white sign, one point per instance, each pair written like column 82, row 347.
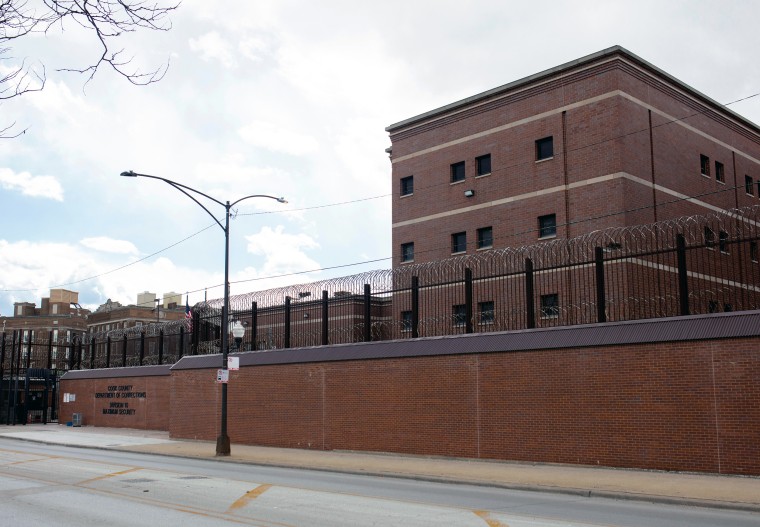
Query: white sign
column 222, row 375
column 233, row 363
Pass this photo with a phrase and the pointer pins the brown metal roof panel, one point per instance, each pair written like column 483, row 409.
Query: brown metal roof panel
column 132, row 371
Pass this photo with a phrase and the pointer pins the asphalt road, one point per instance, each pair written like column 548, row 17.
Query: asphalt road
column 64, row 486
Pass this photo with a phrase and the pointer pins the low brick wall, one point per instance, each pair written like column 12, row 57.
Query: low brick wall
column 118, row 397
column 630, row 400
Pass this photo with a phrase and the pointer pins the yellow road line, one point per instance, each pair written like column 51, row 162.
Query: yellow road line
column 248, row 497
column 106, row 476
column 486, row 516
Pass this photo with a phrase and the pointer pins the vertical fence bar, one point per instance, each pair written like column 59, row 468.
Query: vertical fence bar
column 683, row 279
column 108, row 351
column 195, row 331
column 367, row 313
column 254, row 326
column 18, row 372
column 28, row 362
column 601, row 300
column 142, row 347
column 468, row 300
column 325, row 319
column 161, row 346
column 415, row 307
column 124, row 350
column 530, row 309
column 92, row 352
column 287, row 322
column 2, row 370
column 181, row 341
column 50, row 350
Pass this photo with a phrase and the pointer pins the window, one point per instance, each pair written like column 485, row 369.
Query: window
column 709, row 237
column 545, row 148
column 459, row 314
column 723, row 241
column 550, row 306
column 484, row 164
column 753, row 251
column 458, row 242
column 407, row 185
column 457, row 172
column 749, row 186
column 407, row 252
column 406, row 321
column 485, row 237
column 719, row 175
column 485, row 312
column 704, row 165
column 547, row 225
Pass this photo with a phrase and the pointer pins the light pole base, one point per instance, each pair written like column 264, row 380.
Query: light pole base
column 223, row 445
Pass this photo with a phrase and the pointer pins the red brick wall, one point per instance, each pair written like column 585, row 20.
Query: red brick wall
column 149, row 397
column 671, row 406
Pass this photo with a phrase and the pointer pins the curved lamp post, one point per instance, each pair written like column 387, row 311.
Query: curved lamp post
column 223, row 441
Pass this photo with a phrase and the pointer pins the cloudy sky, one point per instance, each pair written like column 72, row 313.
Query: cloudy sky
column 287, row 98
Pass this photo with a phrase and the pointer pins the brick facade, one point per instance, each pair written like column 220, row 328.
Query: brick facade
column 627, row 140
column 632, row 400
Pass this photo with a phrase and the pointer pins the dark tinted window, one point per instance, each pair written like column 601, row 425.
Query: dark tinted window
column 547, row 225
column 457, row 172
column 458, row 242
column 544, row 148
column 484, row 165
column 407, row 185
column 407, row 252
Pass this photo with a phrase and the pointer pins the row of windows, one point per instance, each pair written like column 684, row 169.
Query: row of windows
column 723, row 238
column 486, row 312
column 544, row 149
column 547, row 228
column 720, row 175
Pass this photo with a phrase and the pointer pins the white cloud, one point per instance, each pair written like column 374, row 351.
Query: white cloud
column 109, row 245
column 283, row 253
column 28, row 185
column 278, row 139
column 212, row 47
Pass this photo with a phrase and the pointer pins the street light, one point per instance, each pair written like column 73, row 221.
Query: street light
column 237, row 332
column 223, row 441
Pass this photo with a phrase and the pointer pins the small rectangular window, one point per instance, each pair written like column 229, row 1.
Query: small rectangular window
column 723, row 241
column 719, row 174
column 459, row 242
column 547, row 225
column 457, row 172
column 544, row 148
column 459, row 314
column 485, row 237
column 709, row 237
column 484, row 164
column 407, row 185
column 753, row 251
column 407, row 252
column 550, row 306
column 749, row 186
column 485, row 312
column 704, row 165
column 406, row 321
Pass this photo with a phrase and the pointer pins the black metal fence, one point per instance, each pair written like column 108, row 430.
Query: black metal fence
column 691, row 265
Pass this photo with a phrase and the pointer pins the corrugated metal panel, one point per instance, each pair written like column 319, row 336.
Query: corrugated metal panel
column 133, row 371
column 698, row 327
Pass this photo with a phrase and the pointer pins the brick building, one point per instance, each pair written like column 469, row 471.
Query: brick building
column 606, row 140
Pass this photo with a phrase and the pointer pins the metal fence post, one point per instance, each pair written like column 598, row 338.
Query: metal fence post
column 2, row 370
column 287, row 322
column 683, row 279
column 601, row 300
column 161, row 346
column 325, row 319
column 468, row 300
column 142, row 347
column 415, row 307
column 367, row 313
column 108, row 351
column 530, row 308
column 92, row 353
column 181, row 341
column 254, row 326
column 124, row 351
column 50, row 350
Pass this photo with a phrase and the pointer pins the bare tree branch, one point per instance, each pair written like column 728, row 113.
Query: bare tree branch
column 106, row 19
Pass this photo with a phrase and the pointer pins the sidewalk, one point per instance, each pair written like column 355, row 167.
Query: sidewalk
column 733, row 492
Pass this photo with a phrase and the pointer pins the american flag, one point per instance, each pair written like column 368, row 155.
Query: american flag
column 188, row 315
